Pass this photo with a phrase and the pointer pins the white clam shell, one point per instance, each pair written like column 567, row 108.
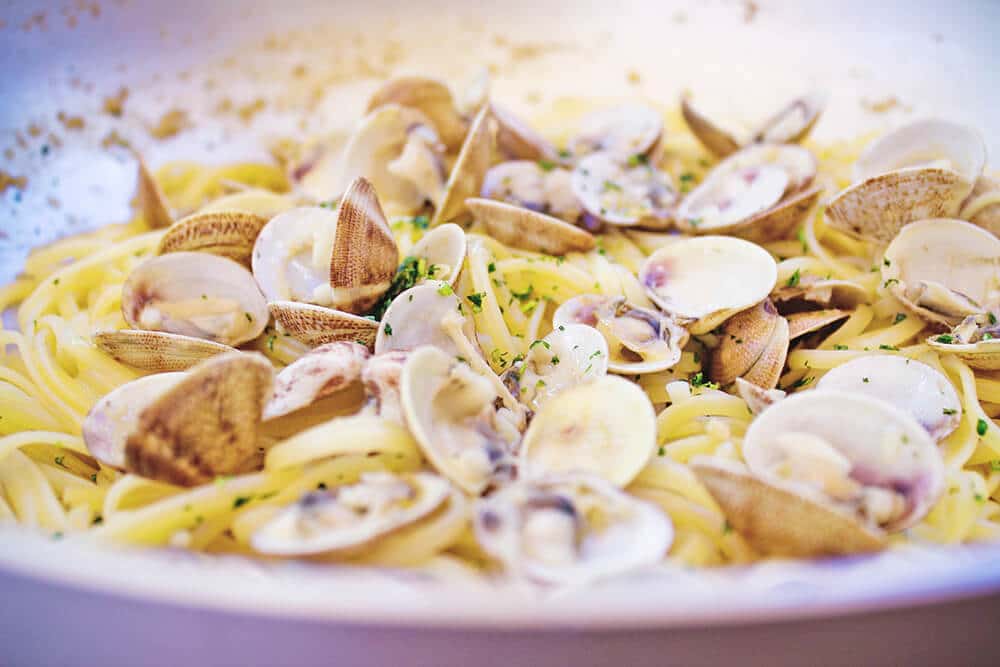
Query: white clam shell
column 916, row 388
column 606, row 428
column 617, row 193
column 544, row 529
column 569, row 355
column 622, row 131
column 708, row 278
column 320, row 372
column 444, row 248
column 415, row 317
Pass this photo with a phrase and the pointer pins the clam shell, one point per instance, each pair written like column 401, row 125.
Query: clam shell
column 766, row 371
column 157, row 351
column 322, row 371
column 780, row 521
column 955, row 256
column 622, row 131
column 302, row 530
column 527, row 184
column 708, row 278
column 982, row 208
column 522, row 228
column 466, row 178
column 107, row 424
column 316, row 325
column 757, row 398
column 364, row 257
column 569, row 355
column 226, row 233
column 443, row 247
column 824, row 292
column 936, row 142
column 187, row 292
column 744, row 338
column 414, row 318
column 802, row 323
column 912, row 386
column 152, row 202
column 794, row 122
column 619, row 194
column 718, row 142
column 981, row 356
column 518, row 140
column 429, row 96
column 263, row 203
column 205, row 425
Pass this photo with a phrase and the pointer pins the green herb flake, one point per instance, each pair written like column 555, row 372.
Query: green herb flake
column 555, row 360
column 546, row 165
column 60, row 462
column 866, row 380
column 726, row 527
column 889, row 283
column 995, row 465
column 445, row 290
column 802, row 382
column 981, row 427
column 992, row 318
column 240, row 501
column 611, row 185
column 477, row 301
column 886, row 262
column 801, row 235
column 637, row 159
column 541, row 342
column 248, row 316
column 793, row 279
column 899, row 318
column 491, row 267
column 420, row 222
column 270, row 342
column 661, row 451
column 948, row 411
column 388, row 329
column 838, row 346
column 892, row 348
column 93, row 477
column 945, row 338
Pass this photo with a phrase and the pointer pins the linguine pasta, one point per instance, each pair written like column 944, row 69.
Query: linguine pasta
column 52, row 374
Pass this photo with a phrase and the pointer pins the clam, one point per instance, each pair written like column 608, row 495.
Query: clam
column 381, row 376
column 753, row 346
column 152, row 202
column 347, row 519
column 976, row 341
column 429, row 96
column 316, row 325
column 398, row 151
column 523, row 228
column 620, row 193
column 570, row 529
column 157, row 351
column 810, row 321
column 344, row 259
column 427, row 314
column 450, row 411
column 528, row 184
column 195, row 294
column 707, row 279
column 184, row 428
column 810, row 290
column 107, row 425
column 469, row 170
column 226, row 233
column 519, row 141
column 757, row 398
column 623, row 132
column 922, row 170
column 606, row 428
column 760, row 193
column 914, row 387
column 443, row 248
column 261, row 203
column 791, row 124
column 569, row 355
column 943, row 270
column 819, row 484
column 639, row 340
column 320, row 372
column 982, row 208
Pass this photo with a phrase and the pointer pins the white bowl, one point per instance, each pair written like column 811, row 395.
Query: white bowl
column 70, row 602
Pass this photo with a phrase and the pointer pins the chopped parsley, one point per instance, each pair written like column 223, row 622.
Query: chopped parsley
column 890, row 282
column 699, row 380
column 892, row 348
column 596, row 353
column 541, row 342
column 992, row 318
column 661, row 451
column 726, row 527
column 866, row 380
column 477, row 301
column 945, row 338
column 270, row 342
column 240, row 501
column 445, row 290
column 886, row 262
column 801, row 235
column 948, row 411
column 388, row 329
column 793, row 279
column 491, row 267
column 981, row 427
column 611, row 185
column 555, row 360
column 995, row 465
column 420, row 222
column 838, row 346
column 899, row 318
column 802, row 382
column 411, row 271
column 546, row 165
column 248, row 316
column 637, row 159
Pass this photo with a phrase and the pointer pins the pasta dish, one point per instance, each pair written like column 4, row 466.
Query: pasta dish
column 458, row 342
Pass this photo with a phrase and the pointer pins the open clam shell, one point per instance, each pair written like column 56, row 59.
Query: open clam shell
column 708, row 278
column 606, row 428
column 976, row 341
column 982, row 208
column 794, row 122
column 471, row 165
column 528, row 184
column 431, row 97
column 322, row 371
column 914, row 387
column 922, row 170
column 348, row 519
column 747, row 338
column 718, row 141
column 943, row 270
column 570, row 529
column 569, row 355
column 443, row 248
column 157, row 351
column 810, row 321
column 757, row 398
column 811, row 291
column 615, row 192
column 200, row 426
column 195, row 294
column 450, row 411
column 107, row 424
column 420, row 316
column 316, row 325
column 381, row 376
column 622, row 131
column 229, row 234
column 524, row 228
column 639, row 340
